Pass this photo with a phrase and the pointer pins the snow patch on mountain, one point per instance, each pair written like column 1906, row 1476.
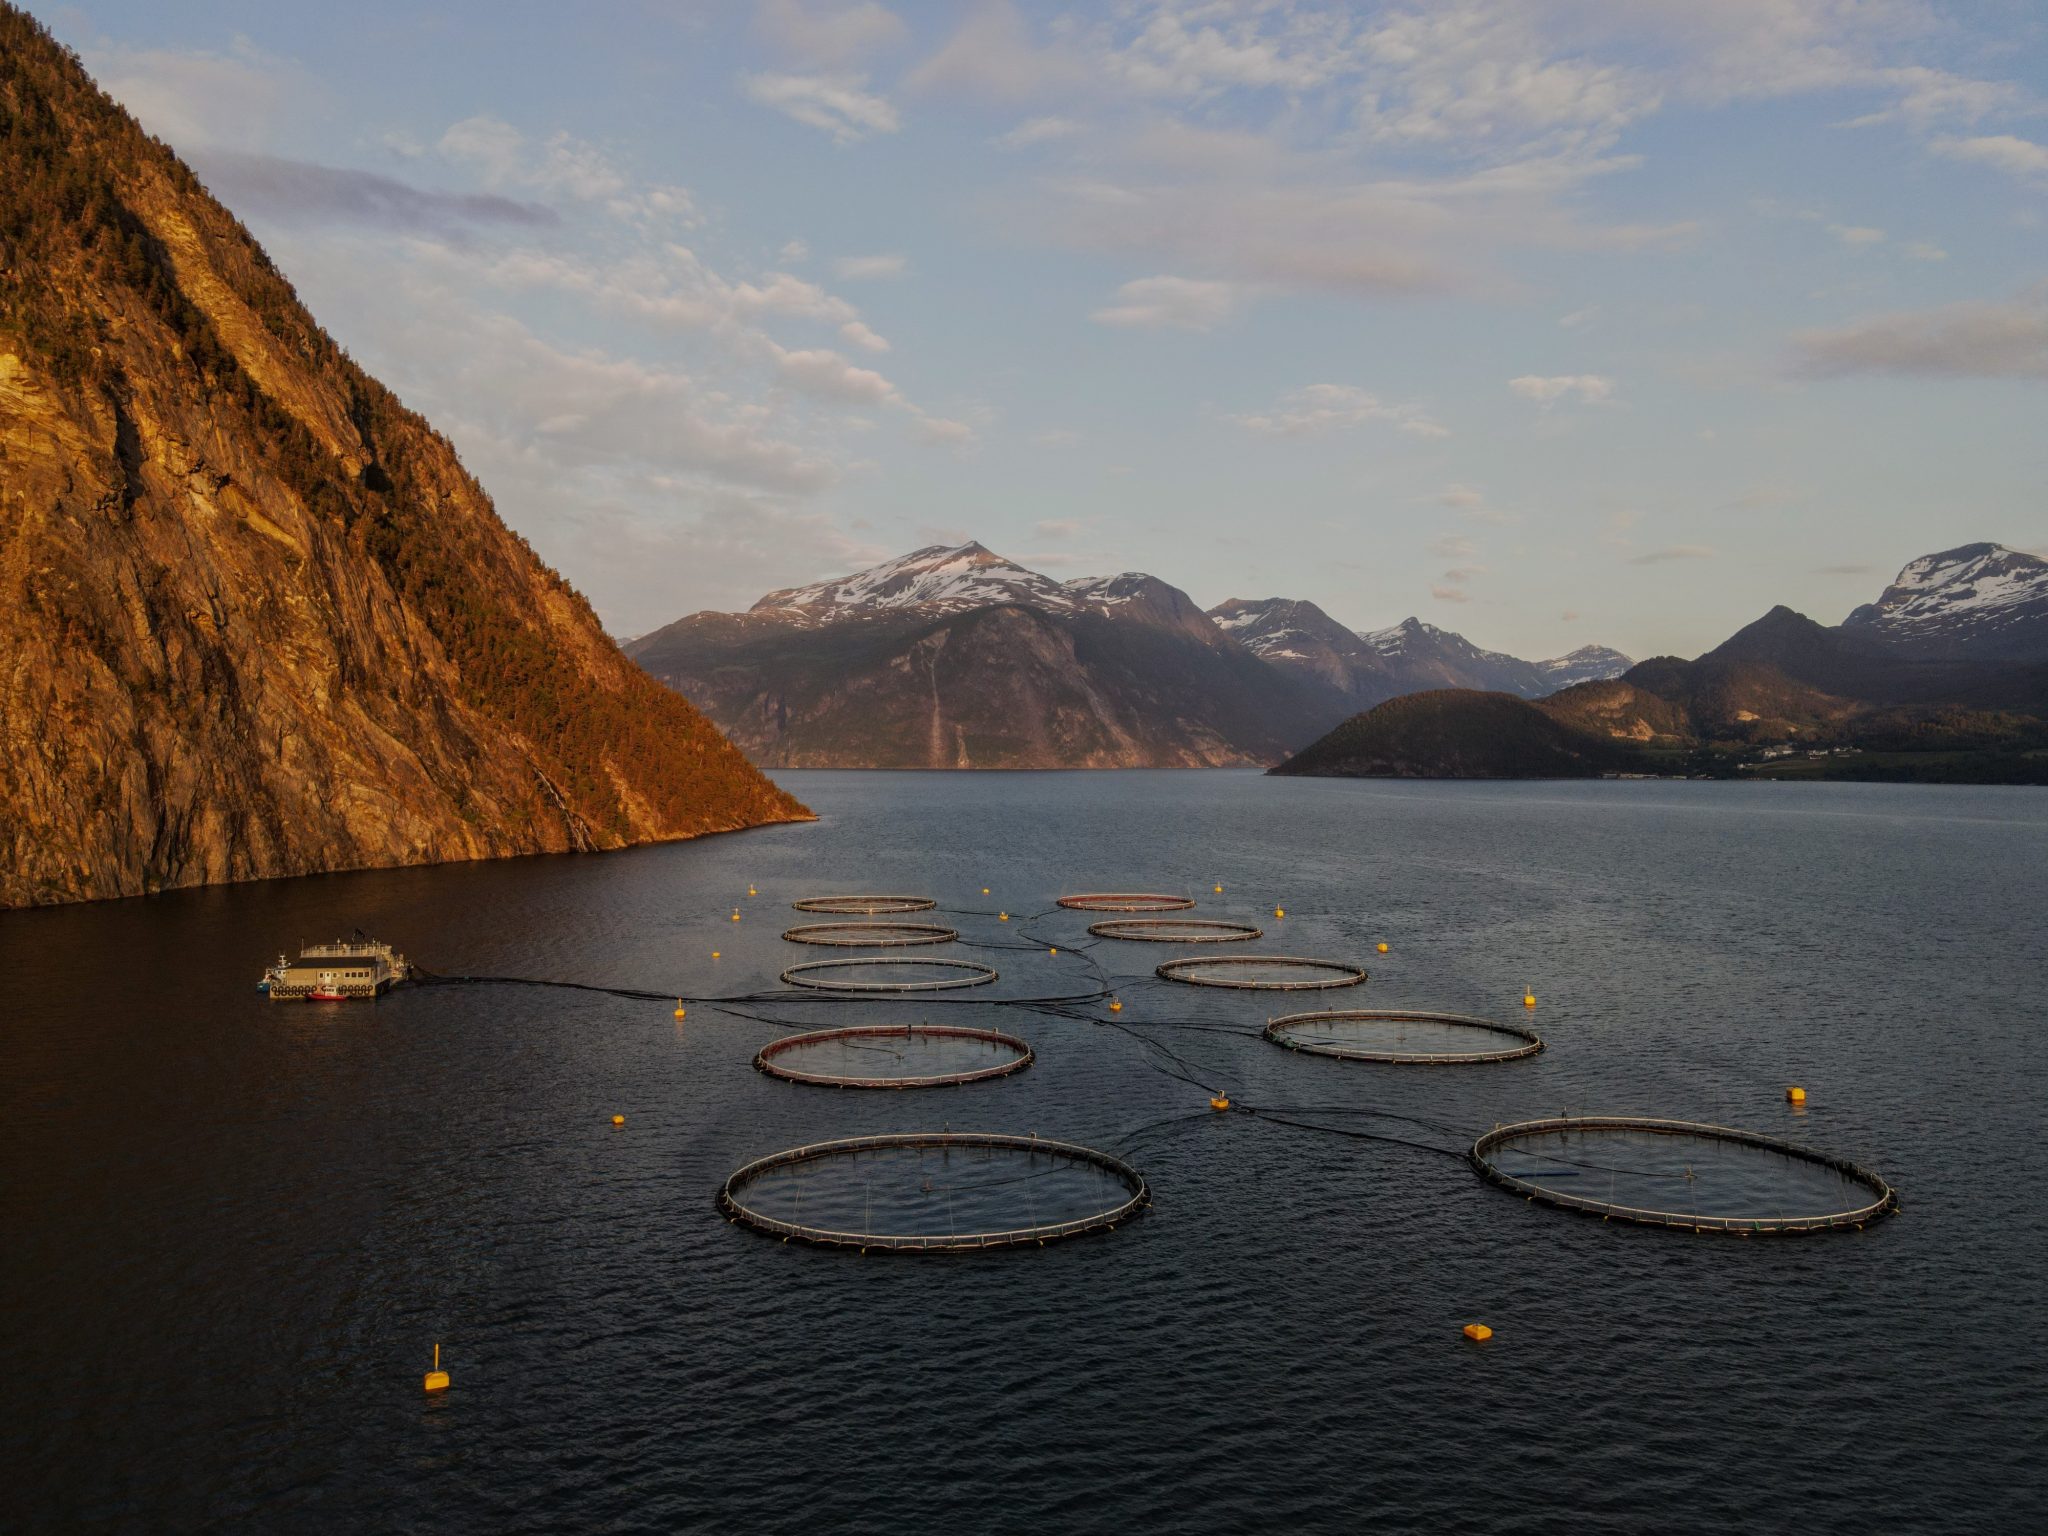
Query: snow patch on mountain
column 1588, row 664
column 1977, row 600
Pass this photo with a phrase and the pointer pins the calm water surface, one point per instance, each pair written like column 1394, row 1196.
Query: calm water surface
column 230, row 1232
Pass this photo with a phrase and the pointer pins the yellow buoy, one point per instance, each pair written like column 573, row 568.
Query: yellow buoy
column 1796, row 1095
column 1004, row 916
column 714, row 954
column 1115, row 1006
column 437, row 1379
column 1219, row 890
column 1279, row 911
column 1383, row 949
column 618, row 1119
column 1528, row 999
column 680, row 1009
column 1219, row 1102
column 1478, row 1333
column 1054, row 950
column 752, row 892
column 735, row 914
column 984, row 890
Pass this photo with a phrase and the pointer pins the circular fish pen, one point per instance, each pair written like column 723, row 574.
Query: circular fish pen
column 1262, row 973
column 1126, row 901
column 864, row 906
column 1675, row 1173
column 934, row 1192
column 1176, row 930
column 870, row 935
column 877, row 973
column 894, row 1056
column 1402, row 1036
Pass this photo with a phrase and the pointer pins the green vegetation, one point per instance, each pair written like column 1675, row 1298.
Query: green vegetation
column 1452, row 733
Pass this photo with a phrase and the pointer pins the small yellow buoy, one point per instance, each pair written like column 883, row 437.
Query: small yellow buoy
column 984, row 890
column 735, row 914
column 1004, row 916
column 1478, row 1333
column 618, row 1119
column 437, row 1379
column 1279, row 911
column 1219, row 1102
column 1219, row 890
column 1383, row 949
column 1796, row 1095
column 1528, row 999
column 714, row 954
column 680, row 1009
column 1054, row 950
column 752, row 892
column 1115, row 1006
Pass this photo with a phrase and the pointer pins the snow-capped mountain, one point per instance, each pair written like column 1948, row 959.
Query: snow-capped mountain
column 1978, row 602
column 953, row 656
column 943, row 578
column 1373, row 665
column 1588, row 664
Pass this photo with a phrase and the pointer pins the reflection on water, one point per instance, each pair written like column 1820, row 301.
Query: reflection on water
column 233, row 1231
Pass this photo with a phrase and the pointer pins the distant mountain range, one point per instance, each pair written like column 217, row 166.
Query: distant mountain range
column 1945, row 676
column 955, row 657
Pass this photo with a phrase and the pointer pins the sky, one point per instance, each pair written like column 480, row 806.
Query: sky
column 1552, row 322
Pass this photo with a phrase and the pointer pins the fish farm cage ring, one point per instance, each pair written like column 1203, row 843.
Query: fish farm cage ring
column 1176, row 930
column 938, row 975
column 1281, row 973
column 870, row 935
column 928, row 1056
column 1126, row 901
column 1402, row 1035
column 864, row 906
column 1676, row 1173
column 934, row 1192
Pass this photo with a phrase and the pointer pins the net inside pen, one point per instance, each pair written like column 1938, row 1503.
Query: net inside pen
column 1402, row 1035
column 934, row 1192
column 1673, row 1173
column 870, row 935
column 864, row 905
column 1176, row 930
column 1262, row 973
column 878, row 974
column 1126, row 901
column 894, row 1056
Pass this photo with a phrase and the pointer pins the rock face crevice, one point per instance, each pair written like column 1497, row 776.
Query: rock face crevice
column 255, row 617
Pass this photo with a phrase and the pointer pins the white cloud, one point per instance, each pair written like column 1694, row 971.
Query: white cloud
column 2003, row 152
column 1579, row 317
column 1184, row 303
column 1995, row 340
column 1454, row 546
column 823, row 372
column 1038, row 130
column 1318, row 408
column 1589, row 388
column 828, row 35
column 1925, row 250
column 1450, row 594
column 1856, row 234
column 197, row 98
column 993, row 57
column 794, row 252
column 838, row 104
column 868, row 268
column 1057, row 528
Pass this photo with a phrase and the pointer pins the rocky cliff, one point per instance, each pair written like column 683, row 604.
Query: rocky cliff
column 255, row 618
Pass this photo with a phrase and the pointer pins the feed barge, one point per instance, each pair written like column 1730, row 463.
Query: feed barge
column 337, row 972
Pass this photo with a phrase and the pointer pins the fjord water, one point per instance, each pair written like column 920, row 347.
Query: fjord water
column 233, row 1231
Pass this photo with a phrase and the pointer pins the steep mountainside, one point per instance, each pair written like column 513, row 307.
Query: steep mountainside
column 256, row 618
column 958, row 658
column 1369, row 666
column 1979, row 602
